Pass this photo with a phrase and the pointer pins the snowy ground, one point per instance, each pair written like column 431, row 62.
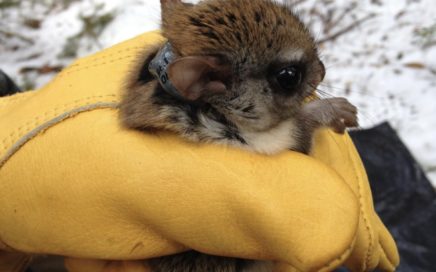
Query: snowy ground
column 386, row 64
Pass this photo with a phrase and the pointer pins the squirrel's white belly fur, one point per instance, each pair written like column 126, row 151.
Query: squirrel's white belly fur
column 272, row 141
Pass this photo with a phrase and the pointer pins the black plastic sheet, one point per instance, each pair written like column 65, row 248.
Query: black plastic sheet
column 7, row 86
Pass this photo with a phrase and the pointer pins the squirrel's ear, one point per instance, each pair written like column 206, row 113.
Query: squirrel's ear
column 198, row 76
column 165, row 3
column 168, row 4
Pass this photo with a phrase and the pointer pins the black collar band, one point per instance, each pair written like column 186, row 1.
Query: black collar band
column 158, row 67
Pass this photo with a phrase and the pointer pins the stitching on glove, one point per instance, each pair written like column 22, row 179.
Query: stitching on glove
column 383, row 251
column 106, row 59
column 96, row 58
column 35, row 126
column 347, row 251
column 337, row 260
column 71, row 71
column 369, row 252
column 16, row 97
column 52, row 113
column 55, row 111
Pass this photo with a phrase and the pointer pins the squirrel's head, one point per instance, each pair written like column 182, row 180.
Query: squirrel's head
column 253, row 60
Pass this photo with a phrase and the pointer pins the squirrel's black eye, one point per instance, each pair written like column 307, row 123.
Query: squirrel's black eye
column 289, row 77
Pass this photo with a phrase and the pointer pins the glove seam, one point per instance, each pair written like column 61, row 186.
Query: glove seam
column 95, row 61
column 93, row 64
column 13, row 98
column 337, row 260
column 362, row 210
column 50, row 113
column 364, row 215
column 24, row 133
column 95, row 58
column 383, row 251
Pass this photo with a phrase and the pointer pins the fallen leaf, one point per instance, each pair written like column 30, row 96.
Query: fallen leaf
column 415, row 65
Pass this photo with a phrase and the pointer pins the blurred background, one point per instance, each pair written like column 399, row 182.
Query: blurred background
column 381, row 54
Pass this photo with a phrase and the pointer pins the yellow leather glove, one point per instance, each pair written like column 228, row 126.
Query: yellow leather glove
column 73, row 182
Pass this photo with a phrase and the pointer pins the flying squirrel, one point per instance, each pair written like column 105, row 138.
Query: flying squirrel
column 235, row 72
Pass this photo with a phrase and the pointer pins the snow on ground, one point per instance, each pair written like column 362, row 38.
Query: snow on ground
column 386, row 64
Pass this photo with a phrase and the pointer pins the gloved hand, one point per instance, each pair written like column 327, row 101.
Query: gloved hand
column 75, row 183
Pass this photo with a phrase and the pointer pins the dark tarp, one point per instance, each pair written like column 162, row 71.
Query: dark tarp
column 7, row 86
